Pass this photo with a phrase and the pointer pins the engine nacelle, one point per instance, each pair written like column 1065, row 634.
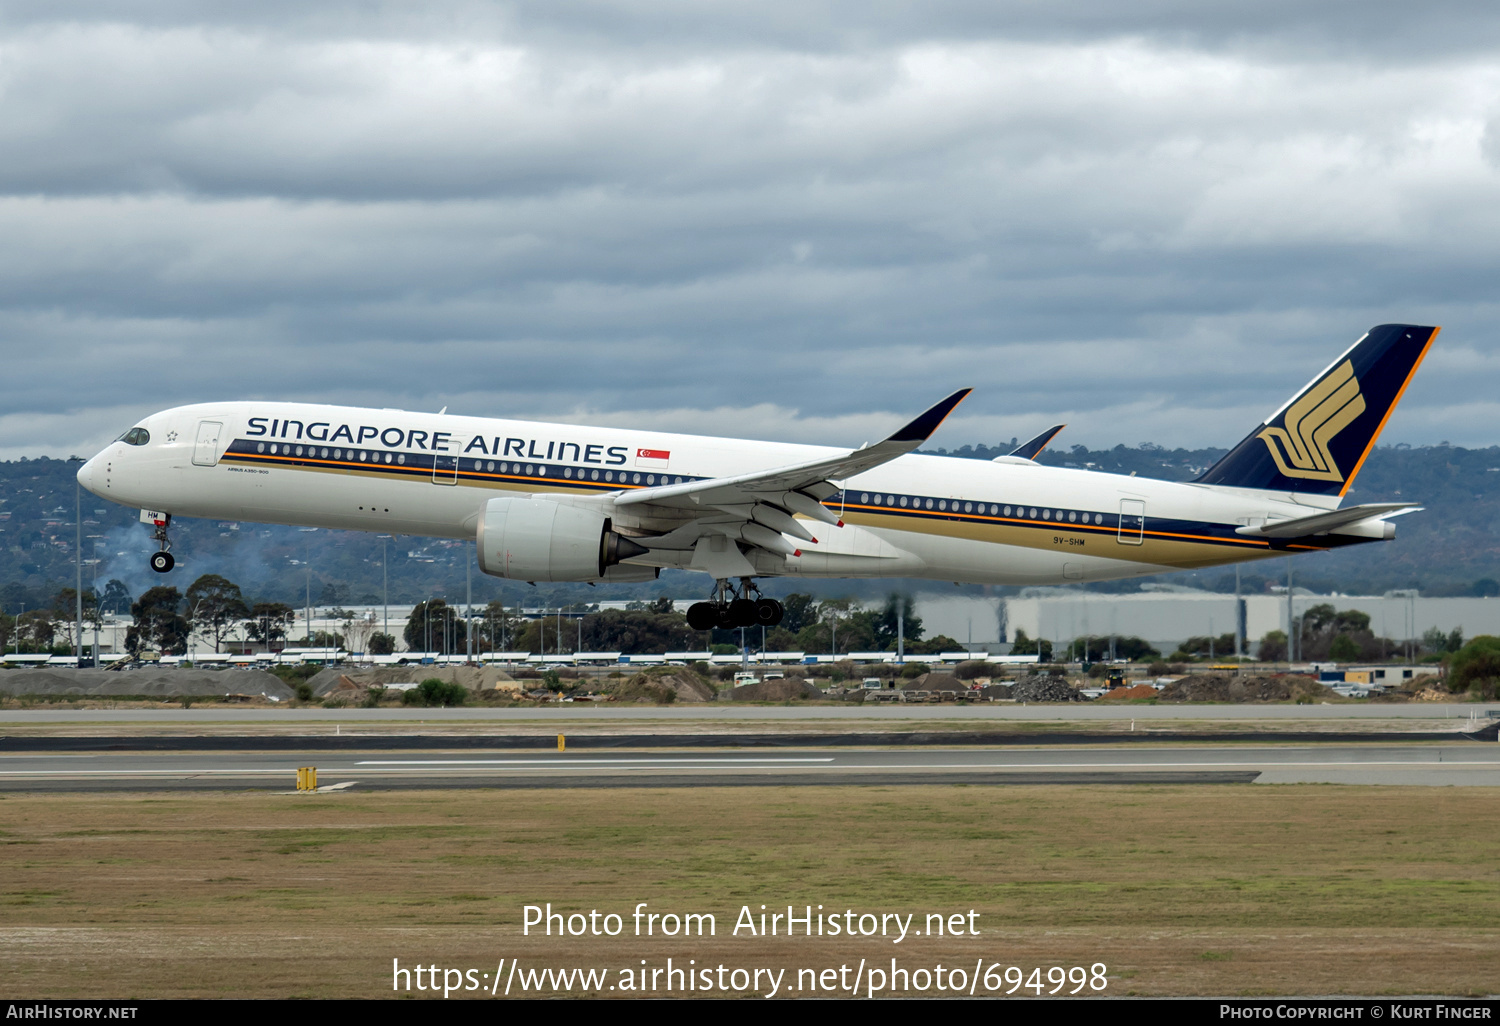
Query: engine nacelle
column 539, row 540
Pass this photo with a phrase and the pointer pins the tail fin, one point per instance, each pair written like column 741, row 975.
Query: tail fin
column 1317, row 442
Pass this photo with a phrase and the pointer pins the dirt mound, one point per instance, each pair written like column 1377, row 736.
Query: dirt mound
column 936, row 682
column 1043, row 687
column 349, row 679
column 690, row 689
column 1138, row 691
column 1224, row 687
column 685, row 684
column 166, row 682
column 642, row 688
column 773, row 691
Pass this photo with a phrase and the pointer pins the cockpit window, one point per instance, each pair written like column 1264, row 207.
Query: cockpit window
column 135, row 436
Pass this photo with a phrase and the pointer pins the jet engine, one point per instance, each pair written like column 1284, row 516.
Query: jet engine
column 540, row 540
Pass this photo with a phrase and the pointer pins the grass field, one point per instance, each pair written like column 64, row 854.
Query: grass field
column 1178, row 890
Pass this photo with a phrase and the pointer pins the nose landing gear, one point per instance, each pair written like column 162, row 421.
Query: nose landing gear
column 162, row 561
column 742, row 610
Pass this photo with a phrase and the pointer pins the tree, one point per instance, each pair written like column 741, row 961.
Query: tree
column 358, row 631
column 886, row 624
column 35, row 630
column 435, row 692
column 625, row 630
column 1321, row 627
column 500, row 628
column 65, row 611
column 1272, row 647
column 1438, row 643
column 1096, row 646
column 268, row 622
column 7, row 631
column 215, row 605
column 839, row 627
column 1203, row 646
column 159, row 622
column 1476, row 666
column 1343, row 649
column 798, row 611
column 934, row 645
column 116, row 598
column 382, row 644
column 1023, row 645
column 435, row 626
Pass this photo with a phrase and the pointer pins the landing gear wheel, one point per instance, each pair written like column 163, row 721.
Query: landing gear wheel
column 742, row 612
column 702, row 616
column 725, row 618
column 162, row 562
column 768, row 612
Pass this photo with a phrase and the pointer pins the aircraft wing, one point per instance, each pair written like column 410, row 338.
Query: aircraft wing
column 758, row 507
column 1322, row 523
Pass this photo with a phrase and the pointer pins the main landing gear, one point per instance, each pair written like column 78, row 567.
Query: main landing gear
column 733, row 608
column 162, row 561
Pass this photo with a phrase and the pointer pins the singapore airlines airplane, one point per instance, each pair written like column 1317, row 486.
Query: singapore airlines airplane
column 555, row 502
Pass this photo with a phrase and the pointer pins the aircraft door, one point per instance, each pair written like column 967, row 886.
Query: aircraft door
column 1132, row 521
column 206, row 451
column 444, row 469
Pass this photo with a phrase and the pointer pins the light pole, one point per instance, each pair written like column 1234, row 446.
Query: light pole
column 94, row 560
column 307, row 566
column 901, row 629
column 385, row 583
column 1239, row 617
column 1290, row 624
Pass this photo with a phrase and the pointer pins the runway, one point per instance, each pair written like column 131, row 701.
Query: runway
column 592, row 713
column 1472, row 764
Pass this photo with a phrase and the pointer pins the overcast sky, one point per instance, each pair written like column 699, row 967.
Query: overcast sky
column 801, row 221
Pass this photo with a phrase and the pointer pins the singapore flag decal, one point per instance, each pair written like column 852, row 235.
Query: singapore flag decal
column 655, row 459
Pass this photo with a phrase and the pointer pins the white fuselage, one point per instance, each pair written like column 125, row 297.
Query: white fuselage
column 391, row 471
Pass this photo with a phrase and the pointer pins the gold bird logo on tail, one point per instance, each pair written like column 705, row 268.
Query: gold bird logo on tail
column 1312, row 422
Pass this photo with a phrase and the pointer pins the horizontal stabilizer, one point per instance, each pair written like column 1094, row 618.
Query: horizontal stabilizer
column 1322, row 523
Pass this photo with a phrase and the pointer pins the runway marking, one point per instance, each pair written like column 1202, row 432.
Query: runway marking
column 686, row 760
column 439, row 766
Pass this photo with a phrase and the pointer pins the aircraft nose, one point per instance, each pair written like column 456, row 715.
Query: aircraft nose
column 90, row 476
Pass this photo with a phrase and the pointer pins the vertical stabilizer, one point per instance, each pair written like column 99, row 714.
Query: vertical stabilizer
column 1317, row 442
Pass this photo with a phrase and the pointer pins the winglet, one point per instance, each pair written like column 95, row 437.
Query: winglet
column 922, row 427
column 1032, row 449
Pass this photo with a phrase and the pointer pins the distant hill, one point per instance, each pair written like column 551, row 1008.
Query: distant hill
column 1452, row 548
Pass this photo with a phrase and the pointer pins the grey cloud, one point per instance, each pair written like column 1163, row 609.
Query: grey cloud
column 1154, row 224
column 1395, row 31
